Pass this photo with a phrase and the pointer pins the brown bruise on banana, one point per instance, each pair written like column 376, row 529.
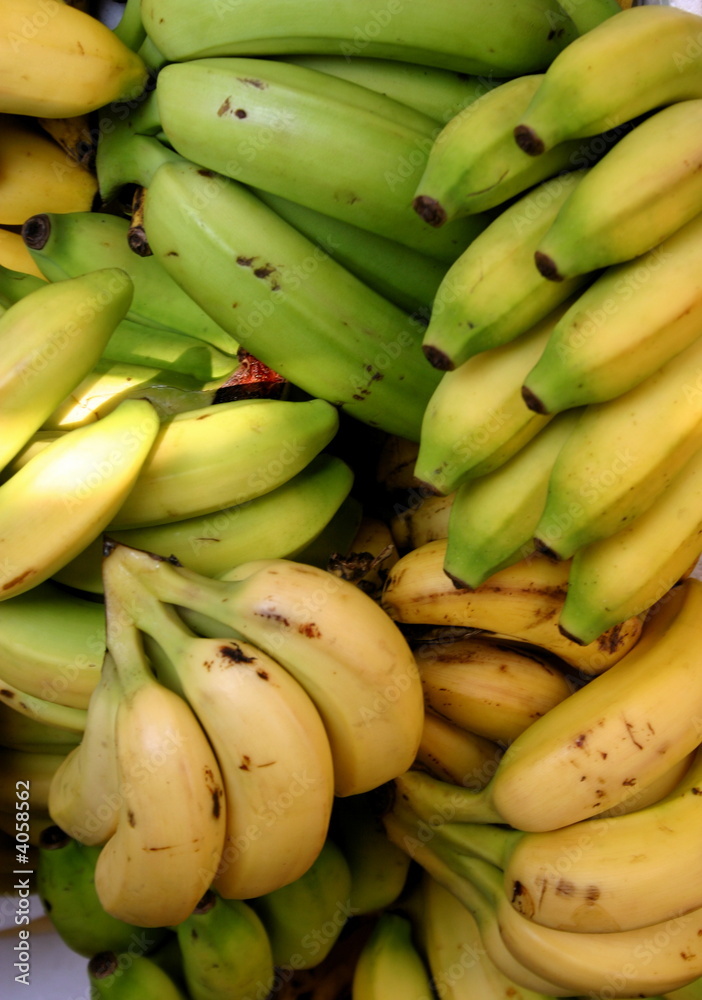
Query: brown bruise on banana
column 216, row 792
column 262, row 271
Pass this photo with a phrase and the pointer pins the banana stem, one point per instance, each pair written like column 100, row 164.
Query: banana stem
column 587, row 14
column 436, row 801
column 61, row 716
column 483, row 841
column 126, row 157
column 153, row 58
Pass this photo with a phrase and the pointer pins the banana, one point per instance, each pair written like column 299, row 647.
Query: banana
column 49, row 340
column 272, row 750
column 424, row 519
column 291, row 298
column 71, row 243
column 622, row 730
column 475, row 164
column 113, row 976
column 621, row 456
column 42, row 43
column 220, row 456
column 493, row 293
column 692, row 991
column 225, row 950
column 632, row 200
column 395, row 464
column 239, row 112
column 33, row 771
column 461, row 968
column 280, row 524
column 52, row 644
column 305, row 918
column 587, row 14
column 139, row 344
column 378, row 869
column 19, row 732
column 17, row 284
column 454, row 754
column 32, row 823
column 503, row 39
column 489, row 688
column 368, row 558
column 14, row 254
column 297, row 613
column 130, row 29
column 520, row 602
column 592, row 85
column 492, row 518
column 66, row 495
column 338, row 533
column 623, row 328
column 75, row 135
column 437, row 93
column 37, row 176
column 403, row 276
column 631, row 570
column 48, row 712
column 84, row 796
column 150, row 872
column 652, row 791
column 389, row 962
column 65, row 884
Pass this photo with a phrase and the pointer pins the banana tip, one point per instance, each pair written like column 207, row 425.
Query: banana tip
column 569, row 635
column 546, row 550
column 458, row 583
column 528, row 140
column 546, row 266
column 102, row 965
column 532, row 400
column 437, row 358
column 52, row 838
column 137, row 241
column 36, row 231
column 430, row 210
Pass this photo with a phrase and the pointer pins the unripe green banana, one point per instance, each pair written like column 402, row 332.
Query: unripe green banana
column 137, row 344
column 304, row 919
column 14, row 285
column 71, row 243
column 66, row 887
column 502, row 39
column 49, row 340
column 127, row 976
column 493, row 293
column 226, row 951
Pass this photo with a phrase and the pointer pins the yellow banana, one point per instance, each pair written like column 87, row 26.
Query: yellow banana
column 14, row 254
column 424, row 519
column 451, row 753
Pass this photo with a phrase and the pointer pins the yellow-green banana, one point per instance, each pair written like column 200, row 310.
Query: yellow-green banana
column 626, row 573
column 623, row 729
column 297, row 614
column 49, row 713
column 67, row 494
column 52, row 644
column 123, row 976
column 225, row 950
column 390, row 961
column 304, row 919
column 595, row 84
column 20, row 732
column 58, row 61
column 622, row 455
column 31, row 771
column 489, row 688
column 493, row 293
column 493, row 517
column 65, row 884
column 49, row 340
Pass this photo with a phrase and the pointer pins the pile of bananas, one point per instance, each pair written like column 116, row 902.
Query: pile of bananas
column 350, row 371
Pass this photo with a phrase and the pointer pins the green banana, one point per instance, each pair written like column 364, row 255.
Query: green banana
column 623, row 328
column 626, row 573
column 20, row 732
column 475, row 164
column 235, row 115
column 49, row 340
column 632, row 200
column 31, row 771
column 65, row 884
column 52, row 644
column 476, row 419
column 438, row 93
column 220, row 456
column 390, row 963
column 587, row 14
column 14, row 285
column 622, row 455
column 292, row 301
column 493, row 517
column 493, row 292
column 128, row 975
column 66, row 495
column 71, row 243
column 304, row 919
column 595, row 83
column 137, row 344
column 378, row 868
column 280, row 524
column 226, row 951
column 401, row 275
column 503, row 39
column 130, row 29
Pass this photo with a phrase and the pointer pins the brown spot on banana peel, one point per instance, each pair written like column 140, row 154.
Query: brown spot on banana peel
column 252, row 82
column 528, row 140
column 437, row 358
column 532, row 401
column 430, row 210
column 18, row 579
column 547, row 267
column 233, row 652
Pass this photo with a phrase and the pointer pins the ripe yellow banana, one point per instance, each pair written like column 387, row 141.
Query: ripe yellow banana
column 622, row 730
column 424, row 519
column 14, row 254
column 298, row 614
column 36, row 176
column 521, row 602
column 487, row 687
column 451, row 753
column 58, row 61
